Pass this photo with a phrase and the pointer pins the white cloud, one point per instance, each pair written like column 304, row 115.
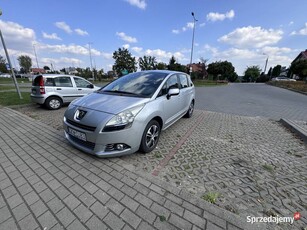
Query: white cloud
column 61, row 60
column 126, row 38
column 52, row 36
column 220, row 17
column 138, row 3
column 16, row 36
column 189, row 25
column 254, row 37
column 302, row 31
column 126, row 46
column 137, row 49
column 64, row 26
column 72, row 49
column 81, row 32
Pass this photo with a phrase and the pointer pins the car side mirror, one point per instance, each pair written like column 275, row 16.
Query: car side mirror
column 91, row 86
column 172, row 92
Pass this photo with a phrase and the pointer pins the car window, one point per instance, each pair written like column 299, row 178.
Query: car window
column 63, row 82
column 171, row 83
column 183, row 81
column 81, row 83
column 49, row 82
column 143, row 84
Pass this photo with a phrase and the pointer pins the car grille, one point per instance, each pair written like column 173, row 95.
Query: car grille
column 76, row 124
column 87, row 144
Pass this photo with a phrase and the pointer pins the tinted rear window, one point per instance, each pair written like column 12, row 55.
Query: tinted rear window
column 36, row 81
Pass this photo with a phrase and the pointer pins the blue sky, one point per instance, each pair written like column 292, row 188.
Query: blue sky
column 244, row 32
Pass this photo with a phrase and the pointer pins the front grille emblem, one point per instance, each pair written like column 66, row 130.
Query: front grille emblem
column 79, row 114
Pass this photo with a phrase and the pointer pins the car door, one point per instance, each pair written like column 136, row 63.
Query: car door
column 171, row 105
column 64, row 87
column 84, row 87
column 185, row 92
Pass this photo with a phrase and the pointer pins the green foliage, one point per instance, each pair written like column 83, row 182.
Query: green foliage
column 211, row 197
column 147, row 62
column 2, row 65
column 251, row 73
column 12, row 98
column 221, row 70
column 276, row 71
column 124, row 62
column 46, row 67
column 161, row 66
column 173, row 65
column 25, row 62
column 299, row 68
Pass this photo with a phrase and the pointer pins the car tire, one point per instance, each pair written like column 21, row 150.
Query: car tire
column 150, row 136
column 53, row 103
column 190, row 111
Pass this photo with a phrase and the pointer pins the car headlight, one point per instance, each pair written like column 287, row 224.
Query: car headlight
column 123, row 120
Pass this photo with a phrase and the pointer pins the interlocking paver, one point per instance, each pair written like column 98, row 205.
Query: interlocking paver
column 124, row 196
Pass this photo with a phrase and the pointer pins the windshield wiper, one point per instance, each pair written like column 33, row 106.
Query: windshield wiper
column 120, row 92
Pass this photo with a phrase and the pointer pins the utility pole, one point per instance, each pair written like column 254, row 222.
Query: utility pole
column 89, row 48
column 35, row 55
column 194, row 20
column 10, row 65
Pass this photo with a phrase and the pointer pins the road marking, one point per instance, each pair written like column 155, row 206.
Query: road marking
column 174, row 150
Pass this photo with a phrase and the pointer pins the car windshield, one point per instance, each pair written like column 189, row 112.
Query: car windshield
column 140, row 84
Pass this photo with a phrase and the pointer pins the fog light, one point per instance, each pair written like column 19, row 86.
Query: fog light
column 120, row 147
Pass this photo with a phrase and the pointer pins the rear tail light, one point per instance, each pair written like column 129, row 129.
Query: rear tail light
column 41, row 86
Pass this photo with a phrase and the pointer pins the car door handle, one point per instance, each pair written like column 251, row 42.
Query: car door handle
column 58, row 88
column 79, row 89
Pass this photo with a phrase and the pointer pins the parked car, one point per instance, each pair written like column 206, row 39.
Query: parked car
column 282, row 79
column 129, row 113
column 53, row 90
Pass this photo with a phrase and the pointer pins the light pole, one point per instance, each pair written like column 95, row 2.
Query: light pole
column 9, row 61
column 35, row 55
column 89, row 49
column 194, row 20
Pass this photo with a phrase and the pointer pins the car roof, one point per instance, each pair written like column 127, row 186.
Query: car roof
column 162, row 71
column 54, row 75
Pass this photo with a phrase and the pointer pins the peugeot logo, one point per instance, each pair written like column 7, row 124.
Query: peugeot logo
column 79, row 114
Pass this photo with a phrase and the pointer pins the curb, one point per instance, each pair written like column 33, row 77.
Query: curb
column 295, row 128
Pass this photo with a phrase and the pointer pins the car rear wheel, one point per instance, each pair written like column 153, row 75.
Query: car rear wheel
column 53, row 103
column 190, row 110
column 150, row 136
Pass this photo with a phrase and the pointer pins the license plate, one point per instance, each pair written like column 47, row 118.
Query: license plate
column 77, row 134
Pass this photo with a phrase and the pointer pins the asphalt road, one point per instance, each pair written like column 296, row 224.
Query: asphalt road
column 253, row 100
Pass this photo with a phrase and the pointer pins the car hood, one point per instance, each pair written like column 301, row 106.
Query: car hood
column 108, row 103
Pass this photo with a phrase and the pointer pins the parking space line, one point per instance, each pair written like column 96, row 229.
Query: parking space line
column 174, row 150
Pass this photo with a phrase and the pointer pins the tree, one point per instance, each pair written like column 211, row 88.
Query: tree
column 147, row 62
column 221, row 70
column 276, row 71
column 2, row 65
column 251, row 73
column 161, row 65
column 299, row 68
column 25, row 62
column 46, row 68
column 124, row 62
column 173, row 65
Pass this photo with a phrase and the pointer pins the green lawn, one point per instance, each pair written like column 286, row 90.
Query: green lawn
column 12, row 98
column 4, row 80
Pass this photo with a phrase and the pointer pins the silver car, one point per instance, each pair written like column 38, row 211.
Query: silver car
column 53, row 90
column 129, row 113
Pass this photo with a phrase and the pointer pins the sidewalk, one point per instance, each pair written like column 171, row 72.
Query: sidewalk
column 47, row 184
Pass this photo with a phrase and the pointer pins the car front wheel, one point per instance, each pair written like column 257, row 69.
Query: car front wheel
column 53, row 103
column 190, row 110
column 150, row 136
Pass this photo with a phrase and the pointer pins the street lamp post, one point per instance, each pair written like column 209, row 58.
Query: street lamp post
column 89, row 49
column 10, row 65
column 194, row 20
column 35, row 55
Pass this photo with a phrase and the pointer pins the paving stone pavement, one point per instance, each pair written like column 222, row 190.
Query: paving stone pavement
column 47, row 184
